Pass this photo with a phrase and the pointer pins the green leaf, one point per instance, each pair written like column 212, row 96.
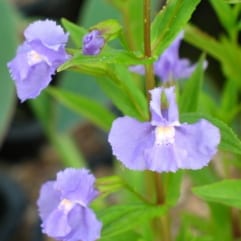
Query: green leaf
column 118, row 96
column 76, row 32
column 172, row 187
column 127, row 236
column 221, row 229
column 227, row 192
column 121, row 218
column 203, row 176
column 136, row 97
column 224, row 51
column 189, row 102
column 92, row 69
column 191, row 222
column 133, row 21
column 67, row 150
column 119, row 85
column 107, row 56
column 63, row 144
column 43, row 110
column 89, row 108
column 224, row 13
column 169, row 22
column 200, row 39
column 8, row 44
column 207, row 104
column 233, row 1
column 229, row 100
column 231, row 59
column 217, row 225
column 229, row 140
column 202, row 238
column 120, row 4
column 109, row 28
column 110, row 184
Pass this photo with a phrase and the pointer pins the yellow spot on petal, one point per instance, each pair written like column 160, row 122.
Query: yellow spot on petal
column 66, row 205
column 164, row 135
column 34, row 57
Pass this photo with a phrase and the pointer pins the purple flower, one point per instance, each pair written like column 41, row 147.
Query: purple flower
column 163, row 144
column 169, row 66
column 38, row 58
column 93, row 43
column 63, row 206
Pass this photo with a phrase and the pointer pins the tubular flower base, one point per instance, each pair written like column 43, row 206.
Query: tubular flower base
column 163, row 144
column 63, row 206
column 38, row 58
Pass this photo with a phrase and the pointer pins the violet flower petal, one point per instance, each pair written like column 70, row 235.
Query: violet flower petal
column 163, row 115
column 138, row 69
column 162, row 158
column 163, row 144
column 169, row 65
column 18, row 66
column 84, row 224
column 53, row 58
column 129, row 138
column 93, row 43
column 183, row 69
column 63, row 206
column 48, row 32
column 30, row 78
column 198, row 143
column 48, row 200
column 38, row 58
column 38, row 78
column 56, row 224
column 76, row 184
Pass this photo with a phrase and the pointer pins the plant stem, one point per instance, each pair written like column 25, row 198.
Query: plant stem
column 165, row 228
column 147, row 27
column 163, row 222
column 160, row 197
column 150, row 83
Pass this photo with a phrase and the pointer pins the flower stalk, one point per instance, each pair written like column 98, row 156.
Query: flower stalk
column 150, row 83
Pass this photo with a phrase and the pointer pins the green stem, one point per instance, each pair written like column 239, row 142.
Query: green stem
column 150, row 83
column 147, row 27
column 126, row 20
column 138, row 195
column 165, row 228
column 162, row 222
column 160, row 197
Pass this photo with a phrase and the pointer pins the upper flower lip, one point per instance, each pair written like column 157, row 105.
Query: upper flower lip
column 164, row 115
column 77, row 192
column 48, row 32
